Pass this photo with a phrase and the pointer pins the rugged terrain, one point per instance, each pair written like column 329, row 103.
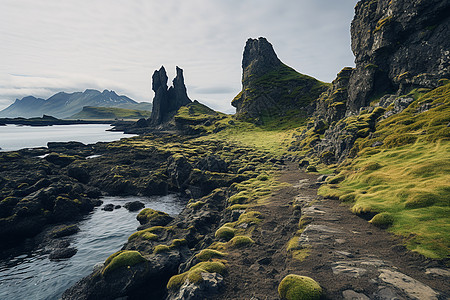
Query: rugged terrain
column 345, row 183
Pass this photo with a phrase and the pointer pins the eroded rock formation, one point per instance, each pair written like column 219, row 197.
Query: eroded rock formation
column 269, row 87
column 398, row 45
column 167, row 100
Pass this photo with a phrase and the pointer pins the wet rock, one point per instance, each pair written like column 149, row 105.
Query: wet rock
column 62, row 253
column 179, row 170
column 62, row 231
column 134, row 205
column 108, row 207
column 210, row 285
column 79, row 173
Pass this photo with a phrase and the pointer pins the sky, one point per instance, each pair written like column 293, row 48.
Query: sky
column 48, row 46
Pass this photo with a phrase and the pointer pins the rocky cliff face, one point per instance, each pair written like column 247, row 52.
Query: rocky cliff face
column 399, row 45
column 167, row 100
column 402, row 50
column 270, row 88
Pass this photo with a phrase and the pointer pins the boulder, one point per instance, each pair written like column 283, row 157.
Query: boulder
column 134, row 205
column 62, row 253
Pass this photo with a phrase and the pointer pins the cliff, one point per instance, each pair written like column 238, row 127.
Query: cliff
column 398, row 45
column 270, row 88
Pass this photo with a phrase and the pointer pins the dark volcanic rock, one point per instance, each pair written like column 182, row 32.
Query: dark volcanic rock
column 79, row 173
column 108, row 207
column 62, row 253
column 398, row 45
column 167, row 101
column 134, row 205
column 269, row 87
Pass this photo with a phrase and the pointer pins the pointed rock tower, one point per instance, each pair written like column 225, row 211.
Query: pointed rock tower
column 270, row 88
column 167, row 100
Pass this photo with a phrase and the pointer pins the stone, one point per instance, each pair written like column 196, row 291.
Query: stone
column 398, row 45
column 79, row 173
column 438, row 272
column 408, row 285
column 269, row 87
column 108, row 207
column 134, row 205
column 62, row 231
column 352, row 295
column 347, row 268
column 209, row 286
column 167, row 100
column 62, row 253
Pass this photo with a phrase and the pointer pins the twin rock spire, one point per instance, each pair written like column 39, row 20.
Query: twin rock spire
column 167, row 100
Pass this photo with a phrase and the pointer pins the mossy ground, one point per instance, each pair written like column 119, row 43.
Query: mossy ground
column 407, row 178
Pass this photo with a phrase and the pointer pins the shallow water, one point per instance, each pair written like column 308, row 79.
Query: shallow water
column 15, row 137
column 34, row 276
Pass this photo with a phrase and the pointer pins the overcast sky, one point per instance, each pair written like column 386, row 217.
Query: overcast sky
column 48, row 46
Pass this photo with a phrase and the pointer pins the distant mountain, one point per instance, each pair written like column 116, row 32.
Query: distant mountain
column 63, row 105
column 109, row 113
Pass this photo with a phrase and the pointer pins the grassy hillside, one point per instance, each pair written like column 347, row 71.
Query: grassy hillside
column 110, row 113
column 404, row 184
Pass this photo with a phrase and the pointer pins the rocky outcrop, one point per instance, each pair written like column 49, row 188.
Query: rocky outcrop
column 270, row 88
column 402, row 50
column 399, row 45
column 167, row 100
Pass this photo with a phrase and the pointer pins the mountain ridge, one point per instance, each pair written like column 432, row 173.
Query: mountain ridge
column 63, row 105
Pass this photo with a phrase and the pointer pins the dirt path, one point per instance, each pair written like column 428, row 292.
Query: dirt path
column 349, row 257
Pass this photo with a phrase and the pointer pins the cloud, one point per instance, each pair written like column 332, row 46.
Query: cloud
column 73, row 45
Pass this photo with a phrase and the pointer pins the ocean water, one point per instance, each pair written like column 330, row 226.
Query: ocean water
column 15, row 137
column 32, row 275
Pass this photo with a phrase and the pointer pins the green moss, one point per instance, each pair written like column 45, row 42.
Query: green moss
column 239, row 198
column 176, row 243
column 311, row 168
column 250, row 218
column 161, row 249
column 382, row 220
column 194, row 274
column 148, row 233
column 263, row 177
column 420, row 200
column 240, row 241
column 225, row 233
column 208, row 254
column 238, row 207
column 295, row 287
column 122, row 259
column 196, row 205
column 150, row 215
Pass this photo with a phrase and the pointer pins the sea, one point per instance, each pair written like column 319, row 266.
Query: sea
column 15, row 137
column 33, row 276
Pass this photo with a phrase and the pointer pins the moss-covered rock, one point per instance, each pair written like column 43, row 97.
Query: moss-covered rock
column 240, row 241
column 296, row 287
column 122, row 259
column 382, row 220
column 225, row 233
column 194, row 274
column 153, row 217
column 208, row 254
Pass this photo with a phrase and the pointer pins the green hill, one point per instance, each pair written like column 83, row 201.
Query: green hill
column 110, row 113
